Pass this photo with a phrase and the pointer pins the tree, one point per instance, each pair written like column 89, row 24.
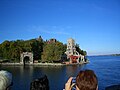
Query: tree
column 53, row 51
column 42, row 50
column 82, row 52
column 37, row 48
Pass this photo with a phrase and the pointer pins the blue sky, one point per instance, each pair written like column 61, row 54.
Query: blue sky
column 94, row 24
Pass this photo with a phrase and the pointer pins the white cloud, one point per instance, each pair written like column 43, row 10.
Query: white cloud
column 50, row 30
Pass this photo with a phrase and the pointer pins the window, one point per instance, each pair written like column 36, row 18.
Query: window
column 68, row 49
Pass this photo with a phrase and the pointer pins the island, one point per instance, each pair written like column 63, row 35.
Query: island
column 41, row 52
column 115, row 54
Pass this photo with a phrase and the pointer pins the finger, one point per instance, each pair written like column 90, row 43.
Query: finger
column 77, row 88
column 69, row 80
column 68, row 84
column 72, row 85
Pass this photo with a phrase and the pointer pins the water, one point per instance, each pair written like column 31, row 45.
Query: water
column 107, row 69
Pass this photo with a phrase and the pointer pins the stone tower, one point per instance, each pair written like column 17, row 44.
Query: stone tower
column 71, row 49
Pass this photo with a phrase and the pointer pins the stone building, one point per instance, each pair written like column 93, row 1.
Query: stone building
column 51, row 41
column 72, row 54
column 24, row 55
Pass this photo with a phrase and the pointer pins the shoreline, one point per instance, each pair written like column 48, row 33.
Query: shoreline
column 41, row 64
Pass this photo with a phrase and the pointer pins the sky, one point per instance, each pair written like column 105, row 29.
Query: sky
column 94, row 24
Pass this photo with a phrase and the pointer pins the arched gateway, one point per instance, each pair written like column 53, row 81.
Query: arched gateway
column 24, row 55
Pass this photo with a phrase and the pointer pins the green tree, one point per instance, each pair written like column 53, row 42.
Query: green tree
column 53, row 51
column 42, row 50
column 82, row 52
column 37, row 48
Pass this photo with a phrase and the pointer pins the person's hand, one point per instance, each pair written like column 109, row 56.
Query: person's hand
column 68, row 84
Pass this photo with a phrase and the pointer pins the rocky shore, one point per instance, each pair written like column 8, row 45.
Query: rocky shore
column 41, row 64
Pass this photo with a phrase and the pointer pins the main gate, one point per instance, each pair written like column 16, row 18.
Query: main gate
column 24, row 55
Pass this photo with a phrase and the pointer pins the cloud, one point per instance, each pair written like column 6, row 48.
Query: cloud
column 55, row 32
column 50, row 29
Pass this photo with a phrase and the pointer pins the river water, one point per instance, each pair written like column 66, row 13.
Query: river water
column 107, row 69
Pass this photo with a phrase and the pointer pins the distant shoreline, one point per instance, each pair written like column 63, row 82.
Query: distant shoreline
column 41, row 64
column 106, row 55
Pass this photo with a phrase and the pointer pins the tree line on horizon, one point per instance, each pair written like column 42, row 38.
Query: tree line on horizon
column 43, row 51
